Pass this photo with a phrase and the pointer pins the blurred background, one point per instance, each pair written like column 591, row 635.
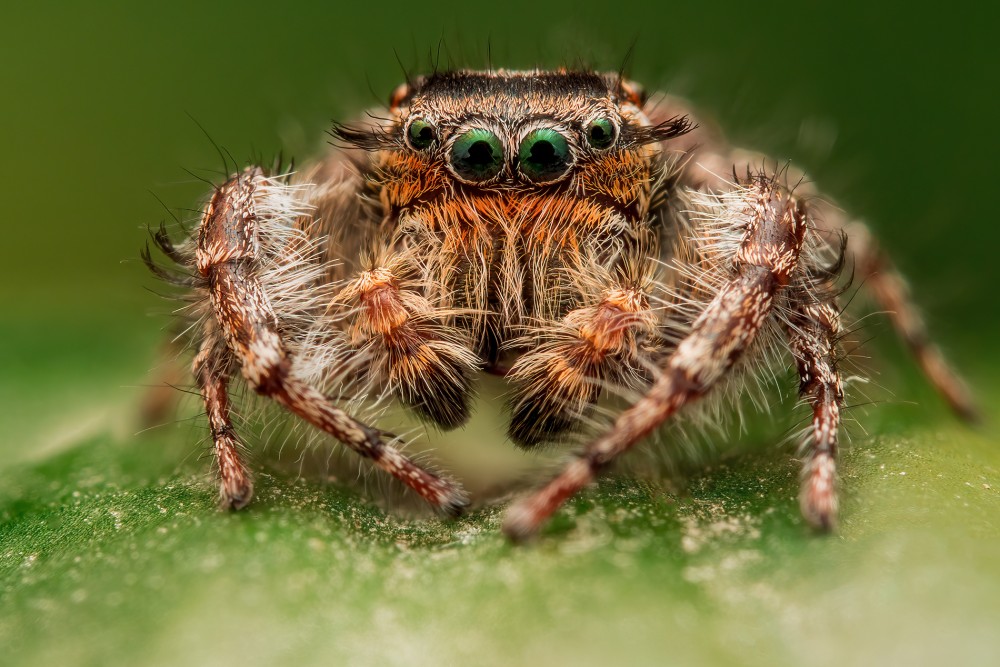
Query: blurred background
column 892, row 112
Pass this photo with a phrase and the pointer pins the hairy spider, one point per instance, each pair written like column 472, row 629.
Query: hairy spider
column 558, row 228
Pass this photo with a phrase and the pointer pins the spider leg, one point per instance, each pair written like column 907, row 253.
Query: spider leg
column 558, row 382
column 711, row 168
column 812, row 338
column 226, row 257
column 767, row 256
column 211, row 373
column 891, row 292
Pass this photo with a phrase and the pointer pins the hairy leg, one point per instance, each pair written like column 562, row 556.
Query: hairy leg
column 812, row 338
column 226, row 257
column 712, row 163
column 211, row 371
column 768, row 253
column 557, row 383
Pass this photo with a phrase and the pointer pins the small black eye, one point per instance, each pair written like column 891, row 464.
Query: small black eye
column 421, row 134
column 544, row 155
column 477, row 155
column 601, row 132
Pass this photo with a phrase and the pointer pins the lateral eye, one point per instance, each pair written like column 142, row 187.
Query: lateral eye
column 544, row 155
column 477, row 155
column 420, row 134
column 601, row 132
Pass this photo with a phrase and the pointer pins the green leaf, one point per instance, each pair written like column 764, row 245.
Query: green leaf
column 114, row 553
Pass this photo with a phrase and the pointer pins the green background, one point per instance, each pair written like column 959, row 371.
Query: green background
column 111, row 551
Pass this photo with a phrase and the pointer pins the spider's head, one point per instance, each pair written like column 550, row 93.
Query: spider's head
column 488, row 131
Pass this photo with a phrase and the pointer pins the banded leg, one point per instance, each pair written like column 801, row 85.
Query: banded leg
column 226, row 257
column 558, row 382
column 874, row 269
column 235, row 485
column 424, row 362
column 764, row 263
column 812, row 339
column 893, row 295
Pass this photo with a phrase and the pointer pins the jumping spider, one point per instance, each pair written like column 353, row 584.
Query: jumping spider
column 559, row 228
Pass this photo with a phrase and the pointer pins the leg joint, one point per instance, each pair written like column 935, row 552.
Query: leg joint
column 267, row 376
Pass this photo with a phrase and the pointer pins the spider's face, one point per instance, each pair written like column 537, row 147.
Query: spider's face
column 499, row 130
column 489, row 133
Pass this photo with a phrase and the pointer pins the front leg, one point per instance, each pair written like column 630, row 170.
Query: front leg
column 768, row 254
column 874, row 270
column 227, row 256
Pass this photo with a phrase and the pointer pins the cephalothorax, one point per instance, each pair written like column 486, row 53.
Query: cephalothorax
column 557, row 228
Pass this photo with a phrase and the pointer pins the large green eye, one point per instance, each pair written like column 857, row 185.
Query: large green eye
column 601, row 132
column 544, row 155
column 420, row 134
column 477, row 155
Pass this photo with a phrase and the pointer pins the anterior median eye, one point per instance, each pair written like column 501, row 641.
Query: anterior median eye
column 544, row 155
column 420, row 134
column 477, row 155
column 601, row 132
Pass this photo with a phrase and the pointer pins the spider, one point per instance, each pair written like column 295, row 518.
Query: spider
column 561, row 229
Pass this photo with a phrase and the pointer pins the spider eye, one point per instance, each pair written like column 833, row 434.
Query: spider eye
column 477, row 155
column 544, row 155
column 601, row 132
column 420, row 134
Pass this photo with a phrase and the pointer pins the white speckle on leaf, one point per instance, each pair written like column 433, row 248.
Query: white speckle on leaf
column 714, row 524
